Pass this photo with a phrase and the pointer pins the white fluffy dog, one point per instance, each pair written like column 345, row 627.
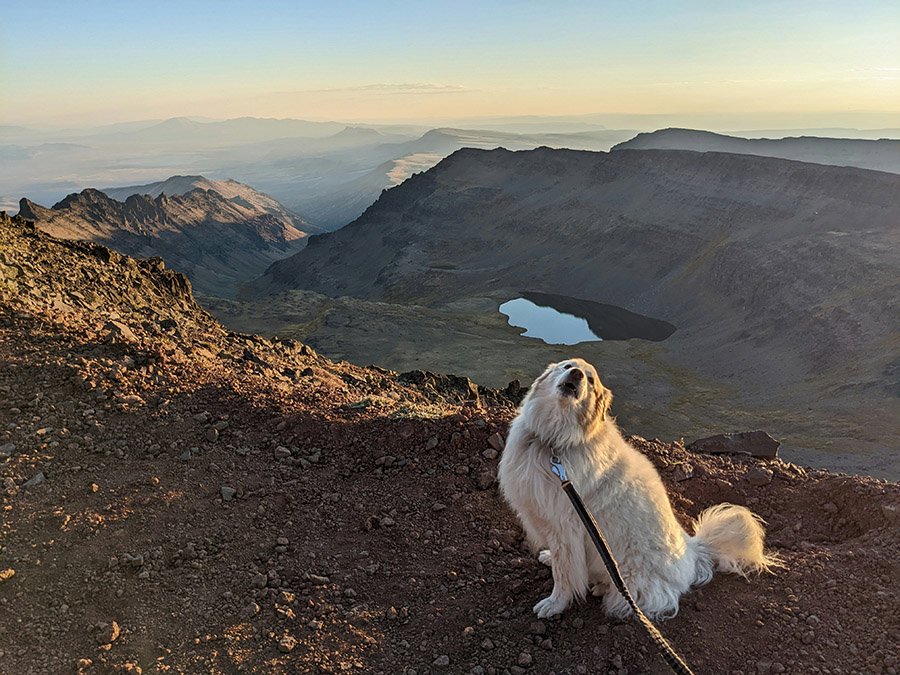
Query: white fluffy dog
column 566, row 413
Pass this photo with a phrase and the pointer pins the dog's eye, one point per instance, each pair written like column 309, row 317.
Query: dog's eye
column 567, row 366
column 591, row 379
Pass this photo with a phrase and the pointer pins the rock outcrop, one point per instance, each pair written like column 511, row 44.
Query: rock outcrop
column 754, row 443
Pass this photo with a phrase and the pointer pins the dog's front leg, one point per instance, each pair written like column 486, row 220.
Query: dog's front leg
column 570, row 573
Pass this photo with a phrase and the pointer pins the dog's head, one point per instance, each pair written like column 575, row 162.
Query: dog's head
column 567, row 402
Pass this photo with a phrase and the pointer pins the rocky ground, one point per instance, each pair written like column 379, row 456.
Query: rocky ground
column 179, row 498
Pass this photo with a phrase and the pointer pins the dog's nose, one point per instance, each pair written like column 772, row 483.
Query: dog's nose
column 575, row 375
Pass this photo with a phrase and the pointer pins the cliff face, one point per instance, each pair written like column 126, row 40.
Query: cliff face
column 218, row 242
column 69, row 274
column 177, row 496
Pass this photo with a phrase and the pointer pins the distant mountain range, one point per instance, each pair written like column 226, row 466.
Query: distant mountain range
column 881, row 154
column 237, row 130
column 325, row 171
column 219, row 233
column 329, row 172
column 331, row 181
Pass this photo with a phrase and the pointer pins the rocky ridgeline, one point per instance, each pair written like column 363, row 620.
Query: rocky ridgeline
column 220, row 242
column 66, row 276
column 82, row 284
column 177, row 497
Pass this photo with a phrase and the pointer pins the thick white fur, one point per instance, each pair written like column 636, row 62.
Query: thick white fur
column 658, row 559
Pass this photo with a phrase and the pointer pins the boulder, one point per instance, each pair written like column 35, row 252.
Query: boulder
column 753, row 443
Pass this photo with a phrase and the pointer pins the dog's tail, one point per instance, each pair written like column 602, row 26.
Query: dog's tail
column 734, row 538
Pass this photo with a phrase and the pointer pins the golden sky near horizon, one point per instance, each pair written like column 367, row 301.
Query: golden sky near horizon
column 100, row 62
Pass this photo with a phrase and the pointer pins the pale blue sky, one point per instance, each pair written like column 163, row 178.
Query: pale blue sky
column 88, row 61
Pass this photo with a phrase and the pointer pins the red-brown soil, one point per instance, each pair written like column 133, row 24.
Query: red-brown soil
column 221, row 503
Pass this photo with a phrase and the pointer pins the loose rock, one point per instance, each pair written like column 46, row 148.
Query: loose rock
column 286, row 644
column 759, row 476
column 107, row 632
column 35, row 480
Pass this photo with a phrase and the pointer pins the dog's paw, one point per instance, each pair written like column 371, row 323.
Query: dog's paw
column 546, row 557
column 550, row 606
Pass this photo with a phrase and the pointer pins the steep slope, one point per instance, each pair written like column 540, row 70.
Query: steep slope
column 218, row 240
column 881, row 154
column 176, row 497
column 781, row 277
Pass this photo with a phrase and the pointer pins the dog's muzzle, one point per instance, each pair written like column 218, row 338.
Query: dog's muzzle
column 572, row 384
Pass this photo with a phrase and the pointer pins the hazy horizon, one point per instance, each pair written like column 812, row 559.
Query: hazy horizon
column 719, row 123
column 812, row 64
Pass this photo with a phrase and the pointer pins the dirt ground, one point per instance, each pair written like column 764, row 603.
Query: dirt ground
column 178, row 498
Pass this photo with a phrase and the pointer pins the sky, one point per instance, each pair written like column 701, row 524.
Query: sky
column 97, row 62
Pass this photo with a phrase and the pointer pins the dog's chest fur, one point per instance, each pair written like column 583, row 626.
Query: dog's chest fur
column 529, row 484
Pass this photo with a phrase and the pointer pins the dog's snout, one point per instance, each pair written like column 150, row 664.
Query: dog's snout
column 570, row 384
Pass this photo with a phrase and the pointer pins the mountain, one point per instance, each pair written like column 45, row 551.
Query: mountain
column 231, row 131
column 164, row 478
column 232, row 190
column 780, row 276
column 218, row 240
column 349, row 138
column 447, row 140
column 819, row 132
column 882, row 154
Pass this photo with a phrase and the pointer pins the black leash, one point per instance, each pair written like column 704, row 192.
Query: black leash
column 671, row 657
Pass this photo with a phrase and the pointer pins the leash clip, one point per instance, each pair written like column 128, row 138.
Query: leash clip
column 558, row 469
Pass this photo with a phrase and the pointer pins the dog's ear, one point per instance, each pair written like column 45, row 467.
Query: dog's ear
column 593, row 417
column 602, row 402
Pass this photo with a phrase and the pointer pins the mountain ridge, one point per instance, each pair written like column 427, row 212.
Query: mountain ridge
column 233, row 130
column 334, row 204
column 229, row 188
column 219, row 242
column 877, row 154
